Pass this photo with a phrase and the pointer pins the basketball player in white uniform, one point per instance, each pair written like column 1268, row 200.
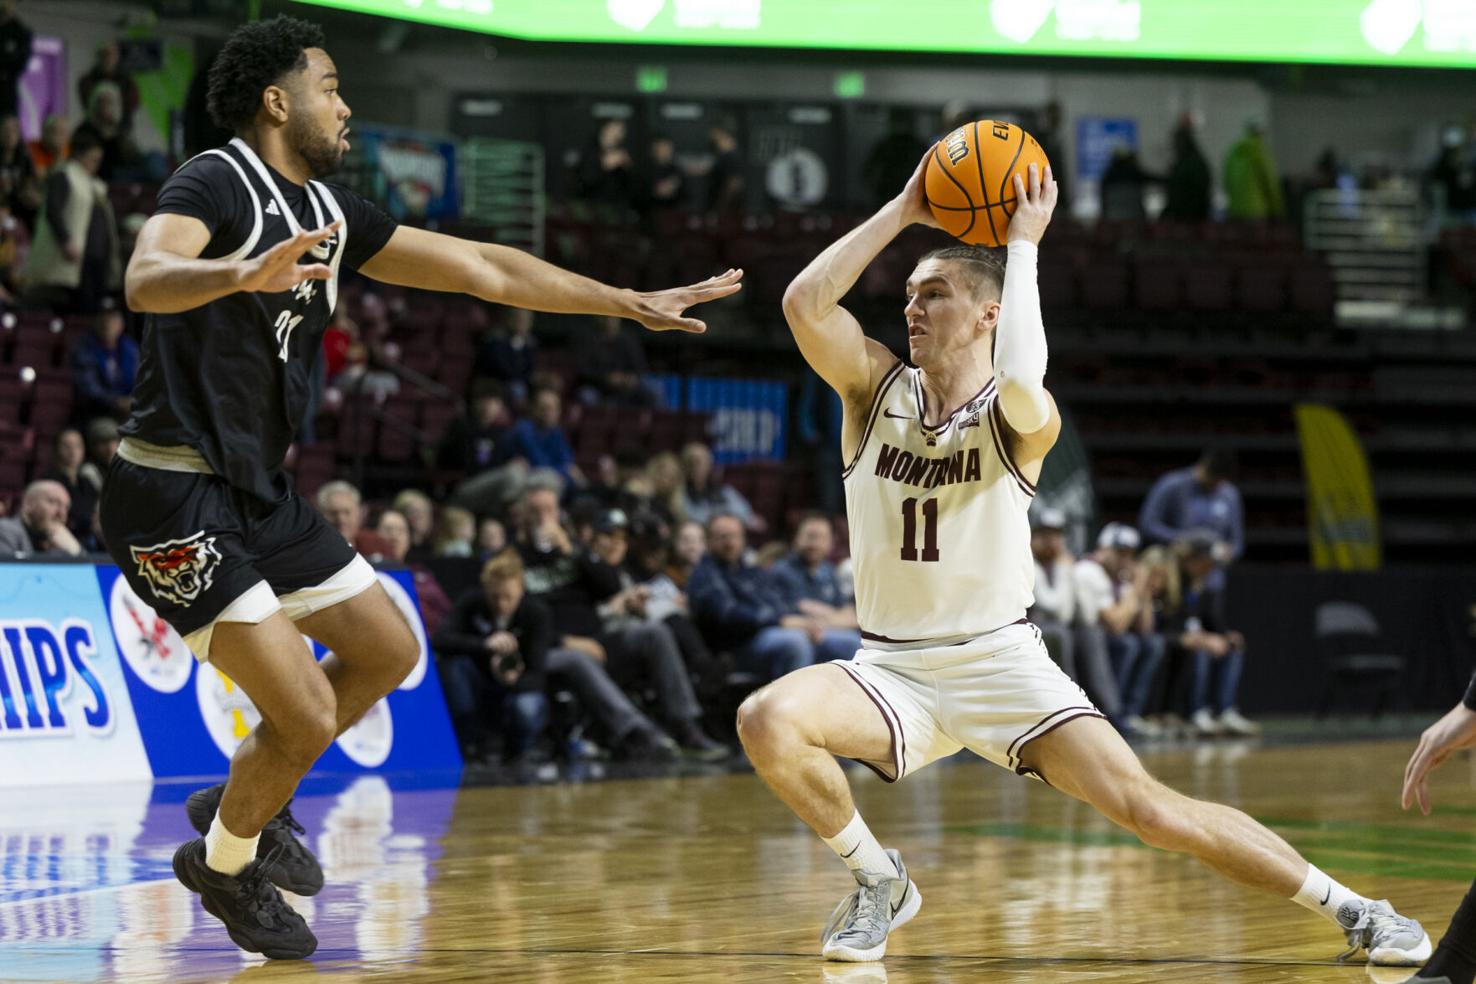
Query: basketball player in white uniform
column 940, row 463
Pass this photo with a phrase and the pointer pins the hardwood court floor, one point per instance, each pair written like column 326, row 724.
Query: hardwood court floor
column 709, row 879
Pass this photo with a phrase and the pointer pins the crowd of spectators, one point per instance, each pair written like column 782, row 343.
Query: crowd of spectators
column 1144, row 630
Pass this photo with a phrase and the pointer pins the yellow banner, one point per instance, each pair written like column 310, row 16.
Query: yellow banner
column 1342, row 515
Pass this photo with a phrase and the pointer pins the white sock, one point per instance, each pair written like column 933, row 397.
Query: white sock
column 1325, row 896
column 227, row 853
column 859, row 849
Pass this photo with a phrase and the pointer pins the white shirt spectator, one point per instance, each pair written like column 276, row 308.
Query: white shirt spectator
column 1094, row 589
column 1055, row 591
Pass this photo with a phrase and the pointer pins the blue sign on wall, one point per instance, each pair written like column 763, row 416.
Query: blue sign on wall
column 749, row 416
column 1096, row 138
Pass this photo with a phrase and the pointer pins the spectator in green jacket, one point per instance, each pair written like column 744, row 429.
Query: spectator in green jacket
column 1251, row 180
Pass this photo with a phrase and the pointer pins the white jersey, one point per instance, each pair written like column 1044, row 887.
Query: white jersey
column 940, row 537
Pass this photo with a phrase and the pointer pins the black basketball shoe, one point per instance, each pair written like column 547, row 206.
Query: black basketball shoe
column 296, row 870
column 254, row 912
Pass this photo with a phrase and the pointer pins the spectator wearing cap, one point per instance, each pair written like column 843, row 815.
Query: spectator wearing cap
column 1107, row 605
column 1201, row 497
column 814, row 588
column 41, row 527
column 1215, row 652
column 104, row 364
column 1054, row 610
column 599, row 619
column 1134, row 649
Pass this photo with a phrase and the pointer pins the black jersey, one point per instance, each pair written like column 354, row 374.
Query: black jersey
column 231, row 378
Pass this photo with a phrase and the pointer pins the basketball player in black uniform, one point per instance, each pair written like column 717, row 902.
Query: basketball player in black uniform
column 238, row 274
column 1454, row 961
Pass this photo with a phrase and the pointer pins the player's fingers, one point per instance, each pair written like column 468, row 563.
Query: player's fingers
column 1034, row 182
column 1052, row 190
column 690, row 325
column 1424, row 795
column 704, row 294
column 1020, row 196
column 315, row 271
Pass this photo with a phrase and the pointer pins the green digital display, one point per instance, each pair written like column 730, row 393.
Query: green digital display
column 1368, row 32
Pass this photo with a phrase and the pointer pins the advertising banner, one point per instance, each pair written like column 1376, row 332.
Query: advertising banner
column 95, row 687
column 1342, row 514
column 414, row 174
column 65, row 716
column 749, row 416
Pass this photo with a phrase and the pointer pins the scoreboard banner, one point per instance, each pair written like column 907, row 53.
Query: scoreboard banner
column 1369, row 32
column 94, row 686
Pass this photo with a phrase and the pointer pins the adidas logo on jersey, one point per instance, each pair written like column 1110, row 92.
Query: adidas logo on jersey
column 271, row 208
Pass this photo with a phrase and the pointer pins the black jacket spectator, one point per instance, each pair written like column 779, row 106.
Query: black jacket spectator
column 572, row 585
column 612, row 365
column 732, row 602
column 464, row 633
column 15, row 54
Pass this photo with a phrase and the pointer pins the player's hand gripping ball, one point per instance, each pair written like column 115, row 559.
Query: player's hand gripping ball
column 970, row 179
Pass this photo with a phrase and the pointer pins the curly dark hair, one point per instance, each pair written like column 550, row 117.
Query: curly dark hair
column 255, row 56
column 985, row 265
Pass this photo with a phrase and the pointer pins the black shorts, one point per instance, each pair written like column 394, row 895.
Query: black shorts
column 190, row 544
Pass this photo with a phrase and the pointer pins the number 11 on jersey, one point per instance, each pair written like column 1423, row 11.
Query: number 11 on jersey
column 930, row 530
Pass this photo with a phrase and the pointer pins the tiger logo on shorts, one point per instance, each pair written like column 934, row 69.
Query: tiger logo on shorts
column 178, row 570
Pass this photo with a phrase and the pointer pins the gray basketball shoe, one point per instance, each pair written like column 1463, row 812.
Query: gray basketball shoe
column 859, row 926
column 1391, row 940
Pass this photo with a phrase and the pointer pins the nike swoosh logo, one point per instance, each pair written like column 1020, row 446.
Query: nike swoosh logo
column 858, row 847
column 900, row 902
column 895, row 416
column 1327, row 896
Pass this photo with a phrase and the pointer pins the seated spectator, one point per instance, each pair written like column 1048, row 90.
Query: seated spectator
column 742, row 608
column 420, row 513
column 20, row 188
column 657, row 488
column 343, row 508
column 51, row 149
column 480, row 446
column 102, row 447
column 74, row 261
column 492, row 654
column 541, row 441
column 491, row 537
column 68, row 456
column 814, row 589
column 1054, row 611
column 104, row 364
column 1107, row 607
column 605, row 489
column 455, row 531
column 704, row 495
column 642, row 640
column 510, row 357
column 1216, row 652
column 394, row 529
column 1160, row 565
column 40, row 529
column 601, row 615
column 1199, row 498
column 1135, row 649
column 612, row 364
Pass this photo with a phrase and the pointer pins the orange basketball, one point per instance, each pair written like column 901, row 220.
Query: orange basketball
column 969, row 179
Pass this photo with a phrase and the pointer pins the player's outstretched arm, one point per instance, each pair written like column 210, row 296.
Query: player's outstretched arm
column 1020, row 341
column 829, row 337
column 434, row 261
column 1454, row 731
column 166, row 274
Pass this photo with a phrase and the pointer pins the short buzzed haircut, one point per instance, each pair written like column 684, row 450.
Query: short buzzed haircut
column 983, row 267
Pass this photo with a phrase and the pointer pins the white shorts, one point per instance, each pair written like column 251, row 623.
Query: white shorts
column 993, row 695
column 259, row 603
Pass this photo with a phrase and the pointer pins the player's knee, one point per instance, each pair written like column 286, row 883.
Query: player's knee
column 764, row 722
column 1153, row 819
column 312, row 730
column 402, row 657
